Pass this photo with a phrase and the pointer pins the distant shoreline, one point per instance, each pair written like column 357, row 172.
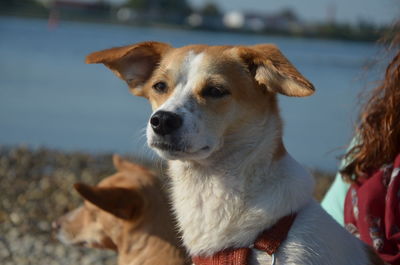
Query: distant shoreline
column 329, row 32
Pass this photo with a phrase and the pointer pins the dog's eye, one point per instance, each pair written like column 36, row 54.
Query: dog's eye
column 160, row 87
column 214, row 92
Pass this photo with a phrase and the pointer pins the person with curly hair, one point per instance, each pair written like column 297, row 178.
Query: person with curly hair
column 365, row 196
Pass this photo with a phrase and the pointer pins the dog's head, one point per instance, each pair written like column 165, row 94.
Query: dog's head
column 116, row 202
column 204, row 96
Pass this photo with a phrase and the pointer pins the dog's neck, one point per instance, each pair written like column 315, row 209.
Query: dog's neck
column 152, row 241
column 245, row 188
column 148, row 249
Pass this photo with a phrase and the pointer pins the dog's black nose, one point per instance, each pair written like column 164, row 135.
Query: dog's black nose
column 165, row 122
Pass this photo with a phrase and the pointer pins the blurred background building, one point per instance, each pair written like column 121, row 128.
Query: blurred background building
column 353, row 20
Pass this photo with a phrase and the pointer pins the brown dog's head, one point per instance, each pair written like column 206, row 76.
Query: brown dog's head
column 117, row 202
column 206, row 98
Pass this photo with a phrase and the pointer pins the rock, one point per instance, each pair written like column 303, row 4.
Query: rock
column 36, row 188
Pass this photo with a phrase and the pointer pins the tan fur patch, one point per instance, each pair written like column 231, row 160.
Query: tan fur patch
column 273, row 70
column 143, row 64
column 220, row 68
column 133, row 63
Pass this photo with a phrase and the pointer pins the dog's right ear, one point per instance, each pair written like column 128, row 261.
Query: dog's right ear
column 122, row 165
column 133, row 63
column 121, row 202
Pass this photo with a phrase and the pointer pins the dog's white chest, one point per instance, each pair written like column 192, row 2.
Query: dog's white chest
column 218, row 211
column 203, row 213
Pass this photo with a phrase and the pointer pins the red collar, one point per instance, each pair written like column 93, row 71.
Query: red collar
column 269, row 241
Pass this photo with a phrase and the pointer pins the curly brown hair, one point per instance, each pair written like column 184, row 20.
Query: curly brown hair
column 378, row 131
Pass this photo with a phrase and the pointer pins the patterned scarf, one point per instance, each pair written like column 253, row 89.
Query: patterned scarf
column 372, row 211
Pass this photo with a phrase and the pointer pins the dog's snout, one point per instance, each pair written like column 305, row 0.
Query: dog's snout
column 165, row 122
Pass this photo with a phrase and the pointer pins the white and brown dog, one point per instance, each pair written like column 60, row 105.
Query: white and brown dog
column 216, row 118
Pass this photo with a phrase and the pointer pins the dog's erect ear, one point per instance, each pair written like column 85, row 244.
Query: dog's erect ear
column 133, row 63
column 272, row 70
column 122, row 165
column 125, row 165
column 123, row 203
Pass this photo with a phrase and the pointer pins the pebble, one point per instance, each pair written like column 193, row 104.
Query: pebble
column 35, row 189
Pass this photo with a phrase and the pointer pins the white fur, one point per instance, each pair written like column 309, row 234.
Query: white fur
column 228, row 195
column 216, row 211
column 198, row 140
column 229, row 206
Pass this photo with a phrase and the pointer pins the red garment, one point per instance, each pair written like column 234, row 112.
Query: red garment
column 372, row 211
column 269, row 241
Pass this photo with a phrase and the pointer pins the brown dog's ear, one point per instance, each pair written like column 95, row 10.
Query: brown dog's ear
column 133, row 63
column 272, row 70
column 122, row 165
column 121, row 202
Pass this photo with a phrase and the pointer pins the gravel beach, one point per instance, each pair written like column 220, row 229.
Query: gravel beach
column 36, row 188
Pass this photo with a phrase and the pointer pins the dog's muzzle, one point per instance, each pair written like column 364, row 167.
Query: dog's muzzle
column 165, row 122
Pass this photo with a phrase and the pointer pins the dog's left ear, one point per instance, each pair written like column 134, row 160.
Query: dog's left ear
column 121, row 202
column 272, row 70
column 124, row 165
column 133, row 63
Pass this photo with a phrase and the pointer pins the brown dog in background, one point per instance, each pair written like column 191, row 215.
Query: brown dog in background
column 126, row 212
